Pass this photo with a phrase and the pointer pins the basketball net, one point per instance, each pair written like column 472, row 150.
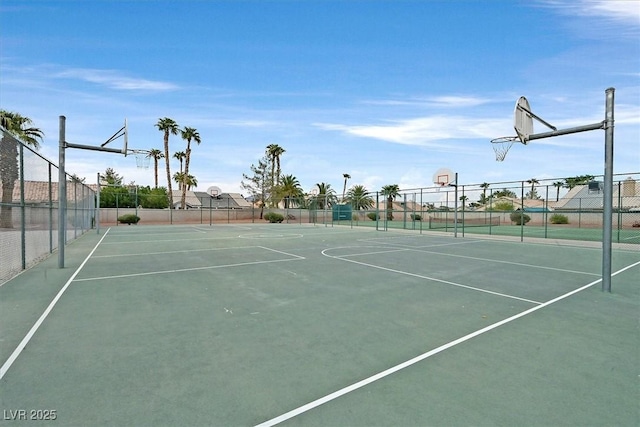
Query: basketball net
column 142, row 160
column 502, row 145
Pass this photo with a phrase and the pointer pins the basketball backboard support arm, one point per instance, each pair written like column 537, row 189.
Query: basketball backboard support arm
column 62, row 176
column 538, row 118
column 607, row 124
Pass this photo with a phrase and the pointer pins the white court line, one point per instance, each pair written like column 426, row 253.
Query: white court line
column 200, row 230
column 181, row 270
column 122, row 242
column 459, row 285
column 175, row 252
column 280, row 252
column 7, row 364
column 394, row 369
column 520, row 264
column 388, row 242
column 147, row 232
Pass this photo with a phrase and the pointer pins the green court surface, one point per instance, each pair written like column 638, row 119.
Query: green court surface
column 291, row 324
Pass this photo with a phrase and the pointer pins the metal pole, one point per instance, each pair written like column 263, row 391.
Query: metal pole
column 522, row 211
column 98, row 206
column 23, row 222
column 463, row 202
column 455, row 207
column 62, row 193
column 608, row 192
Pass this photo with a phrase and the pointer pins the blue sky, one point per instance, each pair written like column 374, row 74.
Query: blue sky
column 387, row 91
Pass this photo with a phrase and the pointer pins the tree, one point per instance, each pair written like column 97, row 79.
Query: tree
column 179, row 156
column 112, row 177
column 326, row 196
column 463, row 199
column 156, row 155
column 19, row 128
column 167, row 126
column 346, row 176
column 484, row 186
column 257, row 183
column 533, row 194
column 360, row 198
column 558, row 185
column 179, row 178
column 190, row 182
column 504, row 193
column 274, row 151
column 390, row 192
column 290, row 191
column 578, row 180
column 76, row 179
column 188, row 134
column 155, row 198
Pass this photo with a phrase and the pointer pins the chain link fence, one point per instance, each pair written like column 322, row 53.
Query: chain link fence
column 552, row 209
column 561, row 208
column 29, row 207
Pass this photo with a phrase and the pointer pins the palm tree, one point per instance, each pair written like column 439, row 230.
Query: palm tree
column 463, row 199
column 346, row 176
column 188, row 134
column 290, row 190
column 274, row 151
column 190, row 181
column 19, row 128
column 168, row 126
column 179, row 178
column 326, row 195
column 390, row 191
column 484, row 187
column 504, row 193
column 578, row 180
column 156, row 155
column 180, row 155
column 360, row 198
column 558, row 185
column 533, row 183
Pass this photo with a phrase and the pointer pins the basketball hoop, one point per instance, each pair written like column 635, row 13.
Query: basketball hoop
column 143, row 158
column 502, row 145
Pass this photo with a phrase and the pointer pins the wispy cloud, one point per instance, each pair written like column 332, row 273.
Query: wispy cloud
column 458, row 101
column 438, row 101
column 115, row 80
column 622, row 15
column 620, row 10
column 425, row 131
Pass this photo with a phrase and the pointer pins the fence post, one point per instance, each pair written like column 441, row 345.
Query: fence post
column 62, row 192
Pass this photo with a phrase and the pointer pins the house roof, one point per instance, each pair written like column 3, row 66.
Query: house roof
column 191, row 199
column 38, row 191
column 625, row 195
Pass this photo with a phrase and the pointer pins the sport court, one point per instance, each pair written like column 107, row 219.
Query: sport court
column 293, row 324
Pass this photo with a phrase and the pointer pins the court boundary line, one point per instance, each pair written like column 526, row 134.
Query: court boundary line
column 18, row 350
column 343, row 391
column 175, row 252
column 542, row 267
column 183, row 270
column 129, row 242
column 446, row 282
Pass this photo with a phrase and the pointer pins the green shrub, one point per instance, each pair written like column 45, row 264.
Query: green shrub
column 559, row 219
column 519, row 218
column 128, row 219
column 373, row 216
column 416, row 217
column 502, row 205
column 273, row 217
